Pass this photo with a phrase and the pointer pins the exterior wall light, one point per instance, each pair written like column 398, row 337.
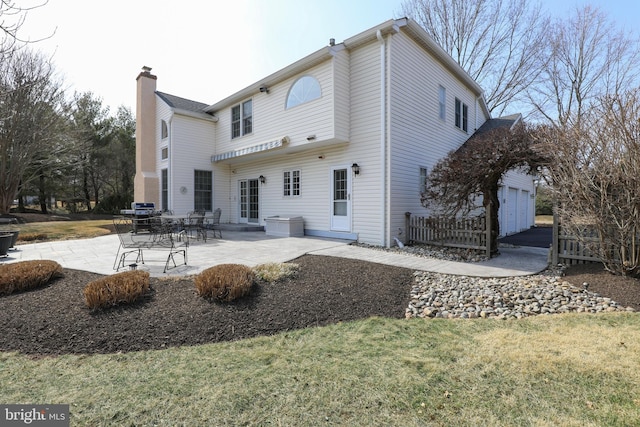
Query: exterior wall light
column 355, row 168
column 262, row 179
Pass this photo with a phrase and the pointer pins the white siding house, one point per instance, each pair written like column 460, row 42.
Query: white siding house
column 388, row 100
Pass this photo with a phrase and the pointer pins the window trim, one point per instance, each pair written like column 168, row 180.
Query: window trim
column 291, row 183
column 461, row 115
column 422, row 179
column 242, row 123
column 198, row 192
column 298, row 101
column 442, row 102
column 164, row 129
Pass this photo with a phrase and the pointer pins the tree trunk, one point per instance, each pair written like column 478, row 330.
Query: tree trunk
column 492, row 204
column 42, row 195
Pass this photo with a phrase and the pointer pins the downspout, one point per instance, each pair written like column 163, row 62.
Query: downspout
column 170, row 174
column 383, row 136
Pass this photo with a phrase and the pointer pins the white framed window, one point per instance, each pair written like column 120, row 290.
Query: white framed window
column 442, row 101
column 422, row 184
column 164, row 129
column 305, row 89
column 202, row 190
column 291, row 183
column 164, row 153
column 461, row 114
column 242, row 119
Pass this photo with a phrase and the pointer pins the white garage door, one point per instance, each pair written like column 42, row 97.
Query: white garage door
column 524, row 210
column 512, row 211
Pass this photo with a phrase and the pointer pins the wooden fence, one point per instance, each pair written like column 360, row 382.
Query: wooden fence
column 466, row 233
column 568, row 248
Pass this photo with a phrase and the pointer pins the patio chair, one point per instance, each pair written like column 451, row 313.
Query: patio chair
column 159, row 238
column 214, row 224
column 195, row 224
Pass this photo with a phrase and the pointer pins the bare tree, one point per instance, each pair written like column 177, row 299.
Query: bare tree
column 469, row 178
column 12, row 17
column 499, row 43
column 31, row 100
column 588, row 57
column 596, row 171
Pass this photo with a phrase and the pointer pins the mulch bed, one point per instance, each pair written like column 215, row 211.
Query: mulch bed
column 54, row 320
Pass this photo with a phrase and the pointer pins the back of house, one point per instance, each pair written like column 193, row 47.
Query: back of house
column 342, row 138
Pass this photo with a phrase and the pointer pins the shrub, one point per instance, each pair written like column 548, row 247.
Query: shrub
column 274, row 271
column 120, row 288
column 31, row 237
column 25, row 275
column 225, row 282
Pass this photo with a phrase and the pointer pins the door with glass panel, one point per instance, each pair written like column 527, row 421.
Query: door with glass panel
column 340, row 199
column 249, row 206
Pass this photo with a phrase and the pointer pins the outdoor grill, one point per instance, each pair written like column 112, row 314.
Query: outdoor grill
column 141, row 212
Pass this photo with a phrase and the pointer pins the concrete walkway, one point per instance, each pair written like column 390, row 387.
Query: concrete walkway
column 253, row 248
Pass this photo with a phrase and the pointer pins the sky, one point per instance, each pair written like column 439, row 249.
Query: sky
column 206, row 50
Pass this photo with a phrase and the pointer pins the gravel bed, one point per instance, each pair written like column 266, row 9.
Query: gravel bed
column 435, row 295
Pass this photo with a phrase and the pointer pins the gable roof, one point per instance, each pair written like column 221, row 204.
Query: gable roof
column 185, row 106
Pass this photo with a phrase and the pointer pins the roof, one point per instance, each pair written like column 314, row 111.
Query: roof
column 182, row 103
column 500, row 122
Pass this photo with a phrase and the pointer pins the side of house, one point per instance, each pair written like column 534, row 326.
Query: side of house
column 343, row 137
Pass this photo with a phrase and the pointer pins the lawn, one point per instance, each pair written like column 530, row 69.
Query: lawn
column 63, row 230
column 570, row 370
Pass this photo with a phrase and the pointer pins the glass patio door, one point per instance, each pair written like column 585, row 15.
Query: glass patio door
column 249, row 201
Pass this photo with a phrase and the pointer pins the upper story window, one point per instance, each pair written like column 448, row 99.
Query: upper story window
column 305, row 89
column 164, row 153
column 442, row 101
column 242, row 119
column 164, row 129
column 462, row 114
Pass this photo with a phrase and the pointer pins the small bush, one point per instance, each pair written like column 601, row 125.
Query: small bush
column 121, row 288
column 24, row 275
column 32, row 237
column 224, row 282
column 274, row 271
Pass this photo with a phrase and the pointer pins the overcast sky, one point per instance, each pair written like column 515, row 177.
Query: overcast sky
column 205, row 50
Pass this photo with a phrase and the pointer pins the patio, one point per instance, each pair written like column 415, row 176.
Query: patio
column 244, row 247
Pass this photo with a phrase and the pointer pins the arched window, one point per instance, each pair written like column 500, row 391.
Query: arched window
column 305, row 89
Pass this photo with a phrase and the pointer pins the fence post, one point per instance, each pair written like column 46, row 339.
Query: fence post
column 407, row 228
column 554, row 240
column 488, row 227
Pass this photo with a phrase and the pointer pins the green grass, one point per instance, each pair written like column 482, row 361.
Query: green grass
column 570, row 370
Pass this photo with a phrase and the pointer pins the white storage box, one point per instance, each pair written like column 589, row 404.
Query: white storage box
column 285, row 226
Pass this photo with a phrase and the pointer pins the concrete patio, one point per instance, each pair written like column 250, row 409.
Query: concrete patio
column 255, row 247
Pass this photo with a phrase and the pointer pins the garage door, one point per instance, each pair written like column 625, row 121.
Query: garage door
column 512, row 211
column 524, row 210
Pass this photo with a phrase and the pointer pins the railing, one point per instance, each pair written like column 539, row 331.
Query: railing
column 467, row 233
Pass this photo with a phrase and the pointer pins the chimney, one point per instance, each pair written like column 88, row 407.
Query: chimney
column 332, row 42
column 146, row 182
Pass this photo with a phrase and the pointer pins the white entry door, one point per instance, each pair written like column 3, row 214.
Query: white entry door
column 340, row 199
column 249, row 202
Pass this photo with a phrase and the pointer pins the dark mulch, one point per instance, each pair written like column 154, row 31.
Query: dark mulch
column 623, row 290
column 54, row 319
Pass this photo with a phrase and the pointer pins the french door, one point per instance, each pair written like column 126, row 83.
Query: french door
column 249, row 201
